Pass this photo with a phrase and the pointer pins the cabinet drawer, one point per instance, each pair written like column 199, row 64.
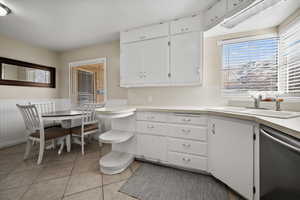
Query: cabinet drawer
column 188, row 119
column 185, row 25
column 187, row 146
column 188, row 132
column 151, row 116
column 149, row 32
column 188, row 161
column 151, row 128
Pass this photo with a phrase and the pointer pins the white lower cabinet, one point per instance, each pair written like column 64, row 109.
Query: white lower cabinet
column 231, row 147
column 219, row 145
column 187, row 160
column 187, row 146
column 152, row 147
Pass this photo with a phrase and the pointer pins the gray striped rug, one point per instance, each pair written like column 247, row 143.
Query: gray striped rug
column 153, row 182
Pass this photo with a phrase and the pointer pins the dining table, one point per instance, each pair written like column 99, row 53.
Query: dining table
column 65, row 117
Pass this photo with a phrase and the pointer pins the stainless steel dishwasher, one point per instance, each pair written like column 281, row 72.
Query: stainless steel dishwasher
column 279, row 165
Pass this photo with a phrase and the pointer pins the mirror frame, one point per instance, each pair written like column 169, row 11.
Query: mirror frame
column 52, row 71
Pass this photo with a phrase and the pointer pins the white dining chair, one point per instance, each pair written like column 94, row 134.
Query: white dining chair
column 36, row 131
column 89, row 124
column 44, row 108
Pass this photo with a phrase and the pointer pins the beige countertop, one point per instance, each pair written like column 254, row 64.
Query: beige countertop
column 289, row 126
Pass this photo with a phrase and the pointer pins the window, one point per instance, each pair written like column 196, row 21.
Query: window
column 250, row 65
column 289, row 60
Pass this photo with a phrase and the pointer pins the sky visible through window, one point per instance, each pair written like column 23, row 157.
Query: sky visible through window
column 251, row 65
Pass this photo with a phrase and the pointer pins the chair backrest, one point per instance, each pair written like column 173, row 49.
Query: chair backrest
column 31, row 116
column 89, row 109
column 44, row 107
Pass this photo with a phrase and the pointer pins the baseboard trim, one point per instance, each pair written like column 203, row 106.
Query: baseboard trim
column 11, row 143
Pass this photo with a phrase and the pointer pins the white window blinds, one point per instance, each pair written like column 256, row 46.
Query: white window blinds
column 289, row 60
column 250, row 65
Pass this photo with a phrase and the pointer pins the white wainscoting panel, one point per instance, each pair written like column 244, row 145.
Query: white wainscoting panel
column 12, row 128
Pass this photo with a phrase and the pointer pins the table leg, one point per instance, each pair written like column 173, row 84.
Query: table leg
column 68, row 141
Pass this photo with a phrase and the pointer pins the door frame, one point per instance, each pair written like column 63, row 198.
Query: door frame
column 89, row 62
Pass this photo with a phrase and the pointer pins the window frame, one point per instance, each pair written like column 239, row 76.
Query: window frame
column 232, row 92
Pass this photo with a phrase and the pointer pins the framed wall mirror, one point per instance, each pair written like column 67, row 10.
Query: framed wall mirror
column 19, row 73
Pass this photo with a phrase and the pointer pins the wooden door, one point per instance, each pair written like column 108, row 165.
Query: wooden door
column 95, row 86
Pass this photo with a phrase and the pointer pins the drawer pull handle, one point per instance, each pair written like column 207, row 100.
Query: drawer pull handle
column 186, row 130
column 186, row 145
column 150, row 126
column 186, row 119
column 186, row 159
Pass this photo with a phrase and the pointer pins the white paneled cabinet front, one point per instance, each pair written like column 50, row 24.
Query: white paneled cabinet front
column 156, row 61
column 145, row 62
column 186, row 53
column 231, row 154
column 152, row 147
column 146, row 54
column 131, row 71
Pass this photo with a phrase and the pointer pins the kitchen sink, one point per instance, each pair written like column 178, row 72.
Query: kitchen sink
column 272, row 113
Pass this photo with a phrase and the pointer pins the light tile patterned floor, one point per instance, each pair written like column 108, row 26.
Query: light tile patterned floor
column 70, row 176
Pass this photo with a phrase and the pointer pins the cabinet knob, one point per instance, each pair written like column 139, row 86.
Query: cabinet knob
column 213, row 129
column 186, row 145
column 186, row 130
column 186, row 159
column 150, row 126
column 186, row 119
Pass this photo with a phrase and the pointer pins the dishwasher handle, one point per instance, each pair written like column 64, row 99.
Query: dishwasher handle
column 282, row 142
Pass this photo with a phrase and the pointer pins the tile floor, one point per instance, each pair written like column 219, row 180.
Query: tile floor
column 70, row 176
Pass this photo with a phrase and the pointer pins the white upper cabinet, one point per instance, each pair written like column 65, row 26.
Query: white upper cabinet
column 231, row 153
column 233, row 5
column 185, row 25
column 215, row 14
column 145, row 33
column 145, row 63
column 131, row 64
column 223, row 9
column 156, row 60
column 186, row 54
column 163, row 54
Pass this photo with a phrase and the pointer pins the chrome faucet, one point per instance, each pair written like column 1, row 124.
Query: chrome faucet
column 257, row 101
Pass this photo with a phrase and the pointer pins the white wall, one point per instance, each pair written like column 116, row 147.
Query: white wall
column 12, row 127
column 109, row 50
column 18, row 50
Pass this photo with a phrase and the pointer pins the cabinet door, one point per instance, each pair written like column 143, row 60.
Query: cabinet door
column 145, row 33
column 186, row 25
column 231, row 154
column 152, row 147
column 186, row 54
column 215, row 14
column 156, row 60
column 131, row 62
column 233, row 5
